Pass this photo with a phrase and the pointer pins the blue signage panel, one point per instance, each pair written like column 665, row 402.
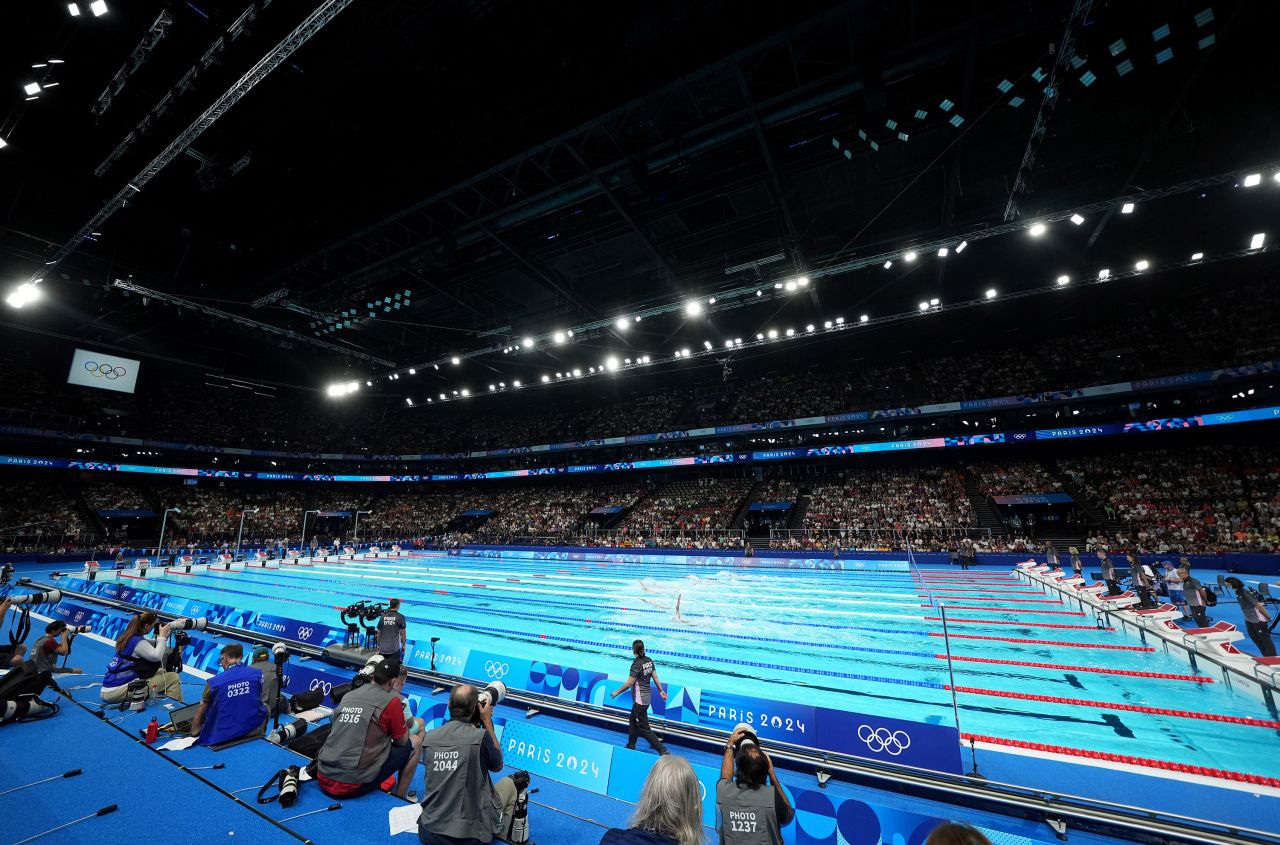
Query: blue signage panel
column 1034, row 499
column 580, row 762
column 630, row 768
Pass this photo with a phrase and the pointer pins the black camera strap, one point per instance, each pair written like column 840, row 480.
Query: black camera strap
column 277, row 781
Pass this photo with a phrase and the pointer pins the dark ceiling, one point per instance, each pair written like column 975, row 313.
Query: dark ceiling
column 524, row 167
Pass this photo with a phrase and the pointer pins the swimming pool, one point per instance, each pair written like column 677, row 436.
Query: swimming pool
column 867, row 638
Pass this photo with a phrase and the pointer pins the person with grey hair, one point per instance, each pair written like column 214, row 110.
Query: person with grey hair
column 669, row 811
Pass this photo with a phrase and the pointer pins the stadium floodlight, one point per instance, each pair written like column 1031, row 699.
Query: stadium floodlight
column 558, row 337
column 527, row 343
column 960, row 247
column 569, row 332
column 1252, row 179
column 935, row 301
column 991, row 293
column 622, row 324
column 943, row 252
column 839, row 321
column 759, row 335
column 759, row 292
column 888, row 264
column 693, row 308
column 645, row 359
column 826, row 324
column 1104, row 273
column 728, row 344
column 443, row 397
column 809, row 327
column 3, row 143
column 737, row 341
column 368, row 384
column 772, row 333
column 790, row 286
column 711, row 301
column 1064, row 279
column 408, row 401
column 1037, row 229
column 353, row 386
column 803, row 281
column 1127, row 208
column 455, row 360
column 924, row 306
column 98, row 7
column 516, row 383
column 1196, row 256
column 707, row 344
column 32, row 88
column 1142, row 265
column 684, row 353
column 466, row 392
column 546, row 378
column 73, row 9
column 492, row 388
column 1077, row 219
column 611, row 363
column 592, row 370
column 910, row 256
column 412, row 371
column 333, row 390
column 1257, row 240
column 791, row 332
column 24, row 294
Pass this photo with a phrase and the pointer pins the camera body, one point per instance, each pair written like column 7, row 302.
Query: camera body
column 493, row 694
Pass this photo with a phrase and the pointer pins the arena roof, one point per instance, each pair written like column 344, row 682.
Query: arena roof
column 514, row 170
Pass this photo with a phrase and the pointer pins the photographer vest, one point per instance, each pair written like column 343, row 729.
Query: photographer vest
column 235, row 705
column 357, row 745
column 460, row 800
column 124, row 667
column 44, row 661
column 747, row 816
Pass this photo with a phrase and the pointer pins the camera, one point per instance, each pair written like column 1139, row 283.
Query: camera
column 493, row 694
column 184, row 624
column 364, row 610
column 46, row 597
column 364, row 676
column 288, row 733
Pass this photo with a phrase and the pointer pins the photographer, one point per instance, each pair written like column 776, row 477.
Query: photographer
column 138, row 657
column 754, row 808
column 392, row 632
column 270, row 683
column 14, row 653
column 460, row 806
column 370, row 740
column 231, row 706
column 46, row 650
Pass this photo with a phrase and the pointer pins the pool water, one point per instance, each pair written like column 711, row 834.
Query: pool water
column 867, row 638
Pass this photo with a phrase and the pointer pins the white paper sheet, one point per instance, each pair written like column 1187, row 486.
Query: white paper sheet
column 404, row 819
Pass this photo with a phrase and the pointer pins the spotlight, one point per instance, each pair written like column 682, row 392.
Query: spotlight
column 611, row 363
column 368, row 384
column 1257, row 240
column 23, row 294
column 777, row 285
column 737, row 341
column 924, row 306
column 693, row 309
column 1063, row 281
column 98, row 7
column 991, row 293
column 888, row 264
column 934, row 301
column 73, row 9
column 546, row 379
column 759, row 336
column 1141, row 265
column 645, row 359
column 803, row 281
column 863, row 319
column 492, row 388
column 790, row 286
column 353, row 386
column 839, row 321
column 466, row 392
column 809, row 327
column 569, row 332
column 527, row 343
column 1127, row 208
column 826, row 324
column 960, row 247
column 412, row 371
column 1252, row 179
column 759, row 293
column 558, row 337
column 591, row 370
column 623, row 324
column 3, row 143
column 707, row 344
column 711, row 301
column 943, row 252
column 790, row 332
column 442, row 397
column 1104, row 273
column 1037, row 229
column 1077, row 219
column 684, row 353
column 408, row 401
column 728, row 344
column 1196, row 256
column 773, row 333
column 32, row 88
column 909, row 257
column 455, row 360
column 516, row 383
column 333, row 390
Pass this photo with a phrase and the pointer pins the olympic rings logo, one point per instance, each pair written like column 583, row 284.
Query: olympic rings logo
column 316, row 684
column 305, row 633
column 105, row 370
column 496, row 670
column 883, row 740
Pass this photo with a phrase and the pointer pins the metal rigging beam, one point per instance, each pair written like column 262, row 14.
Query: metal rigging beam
column 1066, row 49
column 775, row 183
column 314, row 22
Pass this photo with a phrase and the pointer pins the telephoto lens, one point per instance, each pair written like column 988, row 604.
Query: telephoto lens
column 46, row 597
column 184, row 624
column 79, row 629
column 494, row 693
column 288, row 733
column 748, row 737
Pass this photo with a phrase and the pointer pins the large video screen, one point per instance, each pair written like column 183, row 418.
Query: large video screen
column 103, row 371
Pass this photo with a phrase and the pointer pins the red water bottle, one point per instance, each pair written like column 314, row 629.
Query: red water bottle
column 153, row 731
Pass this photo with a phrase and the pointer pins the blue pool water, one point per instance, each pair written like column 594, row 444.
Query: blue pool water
column 867, row 638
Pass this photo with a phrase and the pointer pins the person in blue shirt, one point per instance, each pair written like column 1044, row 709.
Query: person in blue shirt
column 232, row 703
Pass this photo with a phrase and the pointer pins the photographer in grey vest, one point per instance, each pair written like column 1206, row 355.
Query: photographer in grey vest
column 370, row 740
column 752, row 807
column 48, row 648
column 460, row 806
